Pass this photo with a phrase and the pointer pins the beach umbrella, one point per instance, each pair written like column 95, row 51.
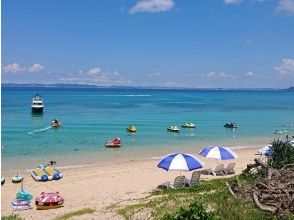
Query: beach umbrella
column 217, row 152
column 266, row 151
column 180, row 162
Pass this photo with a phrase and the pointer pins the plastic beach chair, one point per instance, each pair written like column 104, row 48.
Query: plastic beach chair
column 195, row 178
column 230, row 169
column 178, row 183
column 219, row 170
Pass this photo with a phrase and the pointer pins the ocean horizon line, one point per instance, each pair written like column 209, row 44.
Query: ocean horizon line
column 89, row 86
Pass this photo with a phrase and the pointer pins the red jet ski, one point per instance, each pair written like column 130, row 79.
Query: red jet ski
column 55, row 124
column 114, row 143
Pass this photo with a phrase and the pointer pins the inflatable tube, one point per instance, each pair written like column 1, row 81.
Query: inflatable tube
column 20, row 207
column 49, row 200
column 17, row 178
column 51, row 206
column 20, row 203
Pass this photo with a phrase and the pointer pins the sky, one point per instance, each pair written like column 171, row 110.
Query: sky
column 168, row 43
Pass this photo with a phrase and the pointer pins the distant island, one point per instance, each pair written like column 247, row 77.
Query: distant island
column 64, row 85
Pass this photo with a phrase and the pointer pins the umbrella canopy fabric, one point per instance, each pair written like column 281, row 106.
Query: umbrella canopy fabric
column 217, row 152
column 266, row 151
column 180, row 162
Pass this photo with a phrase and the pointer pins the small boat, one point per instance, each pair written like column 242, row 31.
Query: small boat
column 2, row 180
column 173, row 128
column 284, row 130
column 39, row 174
column 278, row 132
column 114, row 143
column 53, row 173
column 37, row 104
column 49, row 200
column 188, row 125
column 230, row 125
column 55, row 123
column 132, row 128
column 17, row 178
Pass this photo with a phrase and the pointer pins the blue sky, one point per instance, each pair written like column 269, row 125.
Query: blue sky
column 193, row 43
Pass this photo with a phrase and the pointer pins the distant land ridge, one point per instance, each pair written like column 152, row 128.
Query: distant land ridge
column 64, row 85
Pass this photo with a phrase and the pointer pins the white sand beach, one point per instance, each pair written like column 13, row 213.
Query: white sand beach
column 99, row 186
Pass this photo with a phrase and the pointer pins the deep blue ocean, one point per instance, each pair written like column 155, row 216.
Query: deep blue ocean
column 91, row 116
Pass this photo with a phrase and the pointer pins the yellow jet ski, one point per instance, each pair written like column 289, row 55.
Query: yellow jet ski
column 132, row 128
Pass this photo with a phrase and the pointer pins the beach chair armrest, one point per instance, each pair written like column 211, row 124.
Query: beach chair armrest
column 208, row 171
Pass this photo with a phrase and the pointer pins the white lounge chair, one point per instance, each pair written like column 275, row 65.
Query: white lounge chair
column 178, row 183
column 230, row 169
column 195, row 179
column 219, row 170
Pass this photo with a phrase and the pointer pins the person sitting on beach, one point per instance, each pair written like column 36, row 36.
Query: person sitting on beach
column 52, row 162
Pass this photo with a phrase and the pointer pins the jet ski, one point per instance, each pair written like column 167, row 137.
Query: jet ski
column 230, row 125
column 114, row 143
column 188, row 125
column 55, row 123
column 132, row 128
column 173, row 128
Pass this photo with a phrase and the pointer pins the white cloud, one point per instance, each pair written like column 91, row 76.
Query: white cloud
column 94, row 71
column 36, row 68
column 96, row 76
column 218, row 75
column 286, row 6
column 287, row 67
column 13, row 68
column 17, row 68
column 154, row 75
column 249, row 74
column 232, row 2
column 152, row 6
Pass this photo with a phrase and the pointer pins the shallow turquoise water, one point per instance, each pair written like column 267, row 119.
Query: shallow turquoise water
column 92, row 116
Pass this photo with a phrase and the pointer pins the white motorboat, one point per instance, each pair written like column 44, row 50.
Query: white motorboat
column 37, row 104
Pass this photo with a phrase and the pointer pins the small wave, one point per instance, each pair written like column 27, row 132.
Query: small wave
column 244, row 147
column 39, row 130
column 155, row 158
column 128, row 95
column 70, row 167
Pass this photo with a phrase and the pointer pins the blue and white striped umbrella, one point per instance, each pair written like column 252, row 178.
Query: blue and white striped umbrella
column 216, row 152
column 180, row 162
column 266, row 151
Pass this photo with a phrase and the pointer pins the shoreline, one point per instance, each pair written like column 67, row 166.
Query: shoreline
column 147, row 155
column 100, row 185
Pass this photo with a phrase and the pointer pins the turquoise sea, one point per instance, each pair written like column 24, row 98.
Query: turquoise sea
column 91, row 116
